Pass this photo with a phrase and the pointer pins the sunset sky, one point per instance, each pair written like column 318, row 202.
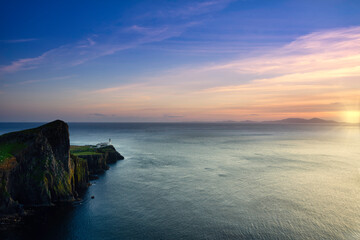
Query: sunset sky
column 210, row 60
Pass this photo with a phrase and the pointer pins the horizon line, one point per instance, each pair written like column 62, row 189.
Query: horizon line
column 327, row 121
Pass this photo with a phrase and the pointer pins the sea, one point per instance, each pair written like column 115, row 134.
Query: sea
column 212, row 181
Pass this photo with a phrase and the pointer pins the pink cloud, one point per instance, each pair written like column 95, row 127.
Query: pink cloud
column 23, row 64
column 99, row 45
column 20, row 40
column 92, row 48
column 303, row 78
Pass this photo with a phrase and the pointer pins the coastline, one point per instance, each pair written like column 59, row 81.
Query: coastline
column 39, row 169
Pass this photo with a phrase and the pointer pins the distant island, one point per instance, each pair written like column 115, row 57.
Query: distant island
column 38, row 167
column 289, row 121
column 301, row 120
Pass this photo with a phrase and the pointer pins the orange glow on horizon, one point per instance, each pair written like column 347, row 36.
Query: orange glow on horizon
column 297, row 80
column 351, row 116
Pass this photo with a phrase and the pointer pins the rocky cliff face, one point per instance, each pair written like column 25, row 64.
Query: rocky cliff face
column 40, row 170
column 98, row 158
column 110, row 154
column 36, row 167
column 81, row 173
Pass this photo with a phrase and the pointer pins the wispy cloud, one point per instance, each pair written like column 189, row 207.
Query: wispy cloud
column 116, row 89
column 19, row 40
column 315, row 75
column 101, row 115
column 315, row 51
column 91, row 48
column 23, row 64
column 44, row 80
column 97, row 114
column 173, row 116
column 115, row 40
column 39, row 80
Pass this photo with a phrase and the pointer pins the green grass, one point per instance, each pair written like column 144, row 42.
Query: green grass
column 7, row 150
column 85, row 153
column 89, row 150
column 83, row 150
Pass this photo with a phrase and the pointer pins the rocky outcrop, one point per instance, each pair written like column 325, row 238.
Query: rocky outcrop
column 100, row 158
column 7, row 204
column 36, row 167
column 110, row 154
column 40, row 171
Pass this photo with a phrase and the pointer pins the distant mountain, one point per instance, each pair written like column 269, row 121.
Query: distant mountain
column 301, row 120
column 288, row 121
column 248, row 121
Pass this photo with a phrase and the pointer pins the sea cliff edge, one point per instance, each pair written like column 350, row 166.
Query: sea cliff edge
column 38, row 167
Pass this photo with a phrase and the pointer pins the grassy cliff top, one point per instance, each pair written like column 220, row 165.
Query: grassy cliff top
column 48, row 126
column 7, row 150
column 84, row 150
column 13, row 142
column 90, row 150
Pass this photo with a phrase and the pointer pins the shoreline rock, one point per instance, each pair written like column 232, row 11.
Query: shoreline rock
column 38, row 168
column 97, row 158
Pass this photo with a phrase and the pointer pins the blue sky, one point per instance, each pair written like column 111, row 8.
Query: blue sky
column 54, row 55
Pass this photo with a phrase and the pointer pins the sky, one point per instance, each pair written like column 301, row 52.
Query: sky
column 166, row 61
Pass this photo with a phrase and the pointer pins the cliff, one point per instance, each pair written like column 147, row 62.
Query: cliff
column 36, row 167
column 97, row 158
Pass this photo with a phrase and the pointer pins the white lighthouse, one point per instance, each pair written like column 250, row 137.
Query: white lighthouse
column 104, row 144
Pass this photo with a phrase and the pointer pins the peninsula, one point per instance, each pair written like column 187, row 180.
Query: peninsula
column 38, row 167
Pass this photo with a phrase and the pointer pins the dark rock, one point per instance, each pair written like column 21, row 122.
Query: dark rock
column 38, row 169
column 110, row 154
column 93, row 177
column 98, row 162
column 81, row 173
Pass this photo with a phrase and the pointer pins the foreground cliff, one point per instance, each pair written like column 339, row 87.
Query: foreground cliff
column 36, row 167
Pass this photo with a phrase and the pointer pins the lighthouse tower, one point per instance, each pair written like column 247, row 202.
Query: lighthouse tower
column 110, row 141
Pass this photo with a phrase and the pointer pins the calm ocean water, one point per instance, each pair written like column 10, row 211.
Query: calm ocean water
column 214, row 181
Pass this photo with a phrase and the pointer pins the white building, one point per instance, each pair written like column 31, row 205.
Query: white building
column 104, row 144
